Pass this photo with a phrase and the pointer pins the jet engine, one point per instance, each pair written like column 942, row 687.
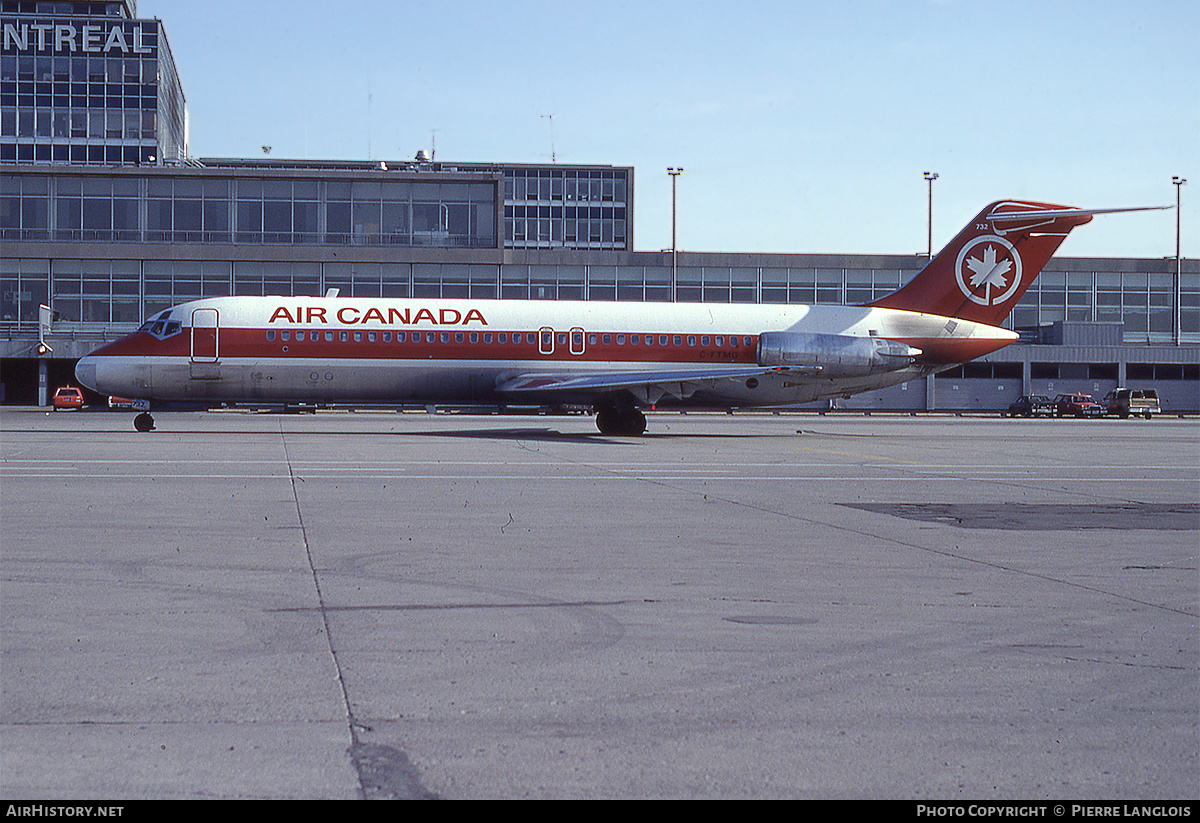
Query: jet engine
column 836, row 355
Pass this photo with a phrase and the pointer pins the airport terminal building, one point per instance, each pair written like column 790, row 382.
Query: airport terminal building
column 107, row 218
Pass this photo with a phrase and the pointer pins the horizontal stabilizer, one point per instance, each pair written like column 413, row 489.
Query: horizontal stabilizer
column 1050, row 215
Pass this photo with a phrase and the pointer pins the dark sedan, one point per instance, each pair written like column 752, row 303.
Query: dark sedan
column 1030, row 405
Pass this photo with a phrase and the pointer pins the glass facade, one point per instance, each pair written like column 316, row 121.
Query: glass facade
column 83, row 83
column 1141, row 300
column 564, row 207
column 390, row 210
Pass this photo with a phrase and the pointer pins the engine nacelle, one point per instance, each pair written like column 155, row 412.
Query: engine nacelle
column 836, row 355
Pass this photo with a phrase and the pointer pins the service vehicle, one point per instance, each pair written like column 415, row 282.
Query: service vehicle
column 1030, row 405
column 1124, row 402
column 68, row 397
column 1077, row 404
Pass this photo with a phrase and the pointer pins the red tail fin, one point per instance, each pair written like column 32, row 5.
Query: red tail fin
column 984, row 271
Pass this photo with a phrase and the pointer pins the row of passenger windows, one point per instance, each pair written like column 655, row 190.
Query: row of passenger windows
column 548, row 338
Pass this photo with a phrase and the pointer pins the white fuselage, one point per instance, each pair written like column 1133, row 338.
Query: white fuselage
column 372, row 350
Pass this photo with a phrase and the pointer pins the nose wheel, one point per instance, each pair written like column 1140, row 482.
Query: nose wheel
column 144, row 422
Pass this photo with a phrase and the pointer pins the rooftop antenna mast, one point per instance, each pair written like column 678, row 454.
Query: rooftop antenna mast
column 370, row 101
column 550, row 117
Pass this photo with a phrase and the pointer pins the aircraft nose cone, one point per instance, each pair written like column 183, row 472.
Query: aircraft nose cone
column 85, row 372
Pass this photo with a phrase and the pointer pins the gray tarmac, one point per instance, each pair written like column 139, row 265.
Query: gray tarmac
column 370, row 605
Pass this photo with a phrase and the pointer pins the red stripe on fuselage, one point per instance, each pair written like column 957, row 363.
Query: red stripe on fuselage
column 446, row 345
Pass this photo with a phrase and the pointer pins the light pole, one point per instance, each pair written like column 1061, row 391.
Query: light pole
column 674, row 172
column 930, row 176
column 1178, row 182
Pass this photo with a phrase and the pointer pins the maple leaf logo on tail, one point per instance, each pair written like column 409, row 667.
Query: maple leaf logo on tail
column 987, row 272
column 988, row 277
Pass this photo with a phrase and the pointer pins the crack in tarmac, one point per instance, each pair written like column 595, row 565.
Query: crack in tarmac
column 384, row 773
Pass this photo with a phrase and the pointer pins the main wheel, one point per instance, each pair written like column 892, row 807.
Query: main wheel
column 144, row 422
column 627, row 421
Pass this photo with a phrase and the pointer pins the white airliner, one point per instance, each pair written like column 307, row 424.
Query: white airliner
column 617, row 358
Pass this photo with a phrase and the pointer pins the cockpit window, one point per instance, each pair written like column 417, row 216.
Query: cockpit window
column 161, row 327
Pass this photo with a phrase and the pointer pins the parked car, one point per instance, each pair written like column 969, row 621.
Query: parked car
column 1124, row 402
column 68, row 398
column 1077, row 405
column 1030, row 405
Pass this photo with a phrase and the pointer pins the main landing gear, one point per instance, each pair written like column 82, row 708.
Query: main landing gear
column 620, row 419
column 144, row 422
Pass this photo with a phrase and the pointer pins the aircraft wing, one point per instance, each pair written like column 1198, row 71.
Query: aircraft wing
column 647, row 386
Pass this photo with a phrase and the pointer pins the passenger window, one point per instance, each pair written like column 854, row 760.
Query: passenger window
column 270, row 334
column 501, row 337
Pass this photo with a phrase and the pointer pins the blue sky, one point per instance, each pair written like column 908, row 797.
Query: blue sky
column 800, row 126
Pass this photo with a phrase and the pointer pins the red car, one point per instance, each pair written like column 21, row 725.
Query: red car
column 1077, row 405
column 68, row 398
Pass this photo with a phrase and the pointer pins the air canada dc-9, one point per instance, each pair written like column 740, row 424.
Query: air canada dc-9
column 616, row 358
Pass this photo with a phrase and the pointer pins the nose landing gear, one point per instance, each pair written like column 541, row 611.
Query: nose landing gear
column 144, row 422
